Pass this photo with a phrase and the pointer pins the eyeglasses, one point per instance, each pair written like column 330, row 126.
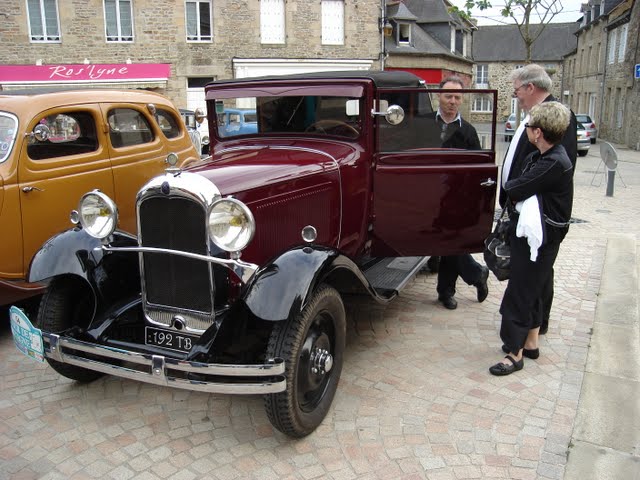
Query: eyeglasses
column 515, row 91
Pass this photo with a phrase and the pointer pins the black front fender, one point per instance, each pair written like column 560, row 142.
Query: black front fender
column 74, row 252
column 283, row 287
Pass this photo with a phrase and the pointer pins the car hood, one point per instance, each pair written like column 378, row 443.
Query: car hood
column 239, row 169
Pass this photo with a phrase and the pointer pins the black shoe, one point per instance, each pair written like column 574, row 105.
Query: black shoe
column 500, row 369
column 448, row 302
column 532, row 354
column 483, row 289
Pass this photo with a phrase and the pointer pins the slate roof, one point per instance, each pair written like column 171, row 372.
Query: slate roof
column 417, row 13
column 503, row 43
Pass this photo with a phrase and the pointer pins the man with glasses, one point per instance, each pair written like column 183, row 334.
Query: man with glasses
column 531, row 86
column 455, row 132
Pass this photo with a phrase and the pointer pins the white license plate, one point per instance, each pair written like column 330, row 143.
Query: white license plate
column 169, row 339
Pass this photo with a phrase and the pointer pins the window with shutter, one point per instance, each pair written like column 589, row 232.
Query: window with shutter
column 272, row 21
column 332, row 22
column 199, row 21
column 623, row 42
column 118, row 20
column 44, row 24
column 612, row 46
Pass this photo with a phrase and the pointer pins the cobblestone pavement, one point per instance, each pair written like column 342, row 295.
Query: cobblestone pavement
column 415, row 399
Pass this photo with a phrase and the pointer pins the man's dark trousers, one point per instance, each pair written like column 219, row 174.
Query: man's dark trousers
column 453, row 266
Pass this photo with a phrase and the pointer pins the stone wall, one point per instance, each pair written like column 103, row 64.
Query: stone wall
column 499, row 73
column 621, row 105
column 160, row 37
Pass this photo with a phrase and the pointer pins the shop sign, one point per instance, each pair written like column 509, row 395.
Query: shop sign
column 84, row 73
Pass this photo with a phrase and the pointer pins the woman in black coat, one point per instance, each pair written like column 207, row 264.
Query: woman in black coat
column 547, row 177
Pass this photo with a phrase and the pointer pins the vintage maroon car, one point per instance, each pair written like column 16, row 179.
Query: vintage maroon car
column 235, row 280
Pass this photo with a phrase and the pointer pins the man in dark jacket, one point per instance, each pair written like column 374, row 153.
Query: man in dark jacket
column 531, row 86
column 457, row 133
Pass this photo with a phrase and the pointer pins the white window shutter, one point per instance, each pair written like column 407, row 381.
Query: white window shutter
column 332, row 22
column 272, row 21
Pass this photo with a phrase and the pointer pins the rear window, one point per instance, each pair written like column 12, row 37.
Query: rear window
column 128, row 127
column 583, row 118
column 169, row 124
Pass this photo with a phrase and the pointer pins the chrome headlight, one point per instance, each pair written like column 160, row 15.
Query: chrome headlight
column 98, row 214
column 231, row 224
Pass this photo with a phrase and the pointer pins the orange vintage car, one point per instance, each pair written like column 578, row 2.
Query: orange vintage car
column 57, row 145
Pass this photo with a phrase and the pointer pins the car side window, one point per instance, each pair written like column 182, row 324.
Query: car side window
column 169, row 124
column 128, row 127
column 70, row 133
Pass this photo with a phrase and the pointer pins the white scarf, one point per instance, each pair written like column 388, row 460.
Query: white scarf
column 513, row 146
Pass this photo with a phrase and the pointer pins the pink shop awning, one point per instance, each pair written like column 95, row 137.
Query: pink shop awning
column 155, row 74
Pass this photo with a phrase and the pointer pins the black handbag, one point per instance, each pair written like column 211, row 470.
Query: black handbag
column 497, row 253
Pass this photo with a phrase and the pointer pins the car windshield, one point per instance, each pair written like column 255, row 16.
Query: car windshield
column 318, row 115
column 8, row 133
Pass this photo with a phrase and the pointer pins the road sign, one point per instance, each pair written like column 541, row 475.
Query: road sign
column 637, row 70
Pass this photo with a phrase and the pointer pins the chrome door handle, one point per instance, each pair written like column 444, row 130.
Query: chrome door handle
column 489, row 182
column 31, row 189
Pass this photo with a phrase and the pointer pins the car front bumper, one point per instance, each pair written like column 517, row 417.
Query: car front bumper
column 166, row 371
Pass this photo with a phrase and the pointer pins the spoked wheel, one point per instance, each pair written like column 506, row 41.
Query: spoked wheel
column 63, row 305
column 312, row 346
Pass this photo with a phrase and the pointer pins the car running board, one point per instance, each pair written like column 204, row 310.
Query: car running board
column 389, row 275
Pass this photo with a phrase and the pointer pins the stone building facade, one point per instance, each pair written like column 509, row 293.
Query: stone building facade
column 201, row 40
column 621, row 93
column 600, row 73
column 499, row 49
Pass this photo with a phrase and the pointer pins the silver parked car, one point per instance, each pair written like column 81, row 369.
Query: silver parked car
column 584, row 140
column 510, row 126
column 589, row 125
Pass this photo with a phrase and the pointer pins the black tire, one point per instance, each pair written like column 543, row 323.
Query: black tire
column 64, row 304
column 583, row 153
column 321, row 326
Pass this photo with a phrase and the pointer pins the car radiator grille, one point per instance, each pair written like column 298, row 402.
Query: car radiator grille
column 172, row 284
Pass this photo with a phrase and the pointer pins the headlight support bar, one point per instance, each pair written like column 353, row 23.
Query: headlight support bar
column 244, row 270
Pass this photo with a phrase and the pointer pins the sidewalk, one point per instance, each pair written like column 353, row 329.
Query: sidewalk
column 606, row 439
column 415, row 400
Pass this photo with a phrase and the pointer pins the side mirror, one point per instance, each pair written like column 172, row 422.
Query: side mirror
column 393, row 114
column 200, row 115
column 41, row 133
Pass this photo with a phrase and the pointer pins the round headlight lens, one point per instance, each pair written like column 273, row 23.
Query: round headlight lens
column 231, row 224
column 98, row 214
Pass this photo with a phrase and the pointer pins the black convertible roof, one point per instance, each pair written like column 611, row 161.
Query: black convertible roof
column 382, row 79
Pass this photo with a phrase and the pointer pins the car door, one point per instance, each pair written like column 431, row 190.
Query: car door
column 427, row 199
column 54, row 173
column 138, row 152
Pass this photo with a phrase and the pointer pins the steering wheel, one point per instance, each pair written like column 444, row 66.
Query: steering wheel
column 323, row 126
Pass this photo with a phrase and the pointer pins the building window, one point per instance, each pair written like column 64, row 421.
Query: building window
column 44, row 25
column 453, row 40
column 482, row 103
column 404, row 34
column 272, row 21
column 199, row 21
column 118, row 20
column 623, row 42
column 612, row 47
column 332, row 22
column 482, row 75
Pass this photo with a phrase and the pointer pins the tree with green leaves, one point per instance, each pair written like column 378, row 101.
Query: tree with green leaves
column 521, row 12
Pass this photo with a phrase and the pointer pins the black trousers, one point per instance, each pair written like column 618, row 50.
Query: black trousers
column 529, row 292
column 455, row 266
